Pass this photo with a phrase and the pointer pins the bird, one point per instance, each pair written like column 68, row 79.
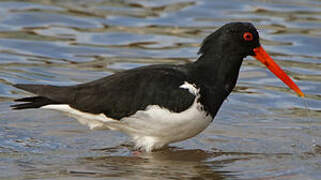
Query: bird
column 160, row 104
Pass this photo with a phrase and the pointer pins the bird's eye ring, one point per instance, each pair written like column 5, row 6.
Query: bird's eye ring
column 247, row 36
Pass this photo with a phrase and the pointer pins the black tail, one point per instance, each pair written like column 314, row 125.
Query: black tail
column 46, row 95
column 32, row 102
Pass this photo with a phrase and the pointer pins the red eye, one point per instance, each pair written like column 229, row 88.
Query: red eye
column 247, row 36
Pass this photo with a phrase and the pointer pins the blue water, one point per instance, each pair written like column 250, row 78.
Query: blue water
column 263, row 130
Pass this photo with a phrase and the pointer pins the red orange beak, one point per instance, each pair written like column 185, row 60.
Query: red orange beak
column 262, row 55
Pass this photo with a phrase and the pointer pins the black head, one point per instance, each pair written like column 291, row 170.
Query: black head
column 235, row 38
column 222, row 53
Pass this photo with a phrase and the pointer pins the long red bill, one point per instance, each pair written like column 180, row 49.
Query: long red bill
column 263, row 56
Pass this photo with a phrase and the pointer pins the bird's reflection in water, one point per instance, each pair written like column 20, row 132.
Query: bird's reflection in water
column 171, row 163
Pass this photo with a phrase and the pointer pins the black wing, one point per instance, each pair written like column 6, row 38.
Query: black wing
column 121, row 94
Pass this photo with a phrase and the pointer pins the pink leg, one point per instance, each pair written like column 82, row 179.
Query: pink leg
column 136, row 153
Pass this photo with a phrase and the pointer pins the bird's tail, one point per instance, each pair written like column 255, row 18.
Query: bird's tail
column 32, row 102
column 44, row 93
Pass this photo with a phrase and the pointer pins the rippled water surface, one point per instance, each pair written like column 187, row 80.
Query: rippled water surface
column 263, row 130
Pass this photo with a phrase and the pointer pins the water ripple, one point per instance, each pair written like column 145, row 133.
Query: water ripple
column 263, row 131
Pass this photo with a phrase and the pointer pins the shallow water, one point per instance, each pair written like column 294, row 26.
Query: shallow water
column 263, row 130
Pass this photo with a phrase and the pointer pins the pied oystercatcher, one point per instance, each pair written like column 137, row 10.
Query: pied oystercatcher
column 160, row 104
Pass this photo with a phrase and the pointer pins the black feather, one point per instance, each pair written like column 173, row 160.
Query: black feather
column 32, row 102
column 119, row 95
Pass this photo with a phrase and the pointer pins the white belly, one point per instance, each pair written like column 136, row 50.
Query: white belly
column 156, row 127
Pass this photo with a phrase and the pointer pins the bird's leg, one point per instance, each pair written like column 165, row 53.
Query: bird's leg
column 137, row 153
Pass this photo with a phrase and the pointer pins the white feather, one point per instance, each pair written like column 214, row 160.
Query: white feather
column 93, row 121
column 190, row 87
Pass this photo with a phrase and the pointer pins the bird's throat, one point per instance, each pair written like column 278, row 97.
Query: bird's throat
column 219, row 72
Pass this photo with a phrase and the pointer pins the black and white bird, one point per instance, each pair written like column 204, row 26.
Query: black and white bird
column 160, row 104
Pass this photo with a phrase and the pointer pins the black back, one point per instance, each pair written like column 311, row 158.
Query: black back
column 122, row 94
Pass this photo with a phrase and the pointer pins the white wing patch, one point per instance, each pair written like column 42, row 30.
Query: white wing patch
column 190, row 87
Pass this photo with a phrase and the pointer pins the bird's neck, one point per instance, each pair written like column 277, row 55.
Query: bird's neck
column 217, row 77
column 219, row 72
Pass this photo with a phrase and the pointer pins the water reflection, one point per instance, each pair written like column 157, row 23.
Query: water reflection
column 167, row 164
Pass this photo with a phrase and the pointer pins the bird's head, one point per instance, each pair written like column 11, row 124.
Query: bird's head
column 236, row 40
